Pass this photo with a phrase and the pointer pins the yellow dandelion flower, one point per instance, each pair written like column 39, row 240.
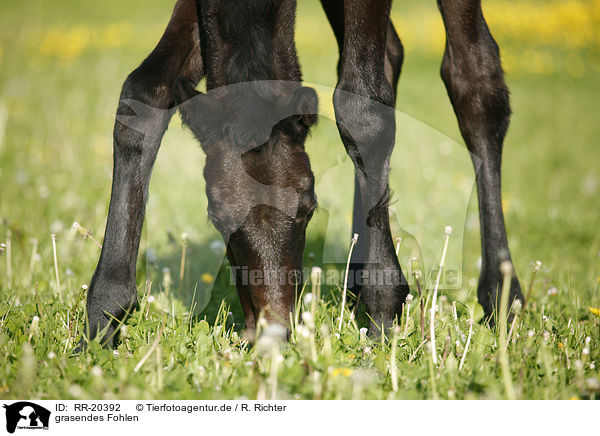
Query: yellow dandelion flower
column 574, row 397
column 345, row 372
column 560, row 345
column 595, row 311
column 207, row 278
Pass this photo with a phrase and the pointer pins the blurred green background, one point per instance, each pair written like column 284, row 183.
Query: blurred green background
column 63, row 63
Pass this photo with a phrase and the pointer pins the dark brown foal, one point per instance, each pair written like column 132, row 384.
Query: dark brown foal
column 252, row 125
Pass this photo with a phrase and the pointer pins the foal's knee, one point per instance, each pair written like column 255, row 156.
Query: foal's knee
column 365, row 117
column 142, row 114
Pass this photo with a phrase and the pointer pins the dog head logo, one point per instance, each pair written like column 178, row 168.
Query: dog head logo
column 26, row 415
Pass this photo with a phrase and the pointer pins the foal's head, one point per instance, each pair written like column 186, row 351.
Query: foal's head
column 259, row 185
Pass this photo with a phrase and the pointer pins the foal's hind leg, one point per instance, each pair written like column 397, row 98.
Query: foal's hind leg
column 474, row 79
column 364, row 107
column 142, row 117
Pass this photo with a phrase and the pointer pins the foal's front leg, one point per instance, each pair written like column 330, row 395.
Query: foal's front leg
column 142, row 117
column 473, row 76
column 364, row 108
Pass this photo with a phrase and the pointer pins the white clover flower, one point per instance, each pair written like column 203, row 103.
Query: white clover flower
column 545, row 318
column 367, row 351
column 84, row 287
column 409, row 298
column 546, row 335
column 553, row 291
column 96, row 371
column 307, row 318
column 585, row 351
column 538, row 265
column 588, row 340
column 51, row 355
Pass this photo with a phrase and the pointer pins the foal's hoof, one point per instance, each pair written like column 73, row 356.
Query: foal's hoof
column 490, row 296
column 108, row 306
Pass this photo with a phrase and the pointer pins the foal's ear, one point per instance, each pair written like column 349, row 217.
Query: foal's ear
column 305, row 105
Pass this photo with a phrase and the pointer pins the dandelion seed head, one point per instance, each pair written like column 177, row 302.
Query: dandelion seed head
column 517, row 306
column 448, row 230
column 506, row 267
column 75, row 391
column 593, row 383
column 307, row 318
column 76, row 225
column 538, row 265
column 150, row 299
column 308, row 298
column 217, row 246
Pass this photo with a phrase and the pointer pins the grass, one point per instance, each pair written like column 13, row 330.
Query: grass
column 59, row 84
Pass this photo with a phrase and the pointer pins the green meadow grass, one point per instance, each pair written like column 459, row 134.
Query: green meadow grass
column 60, row 76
